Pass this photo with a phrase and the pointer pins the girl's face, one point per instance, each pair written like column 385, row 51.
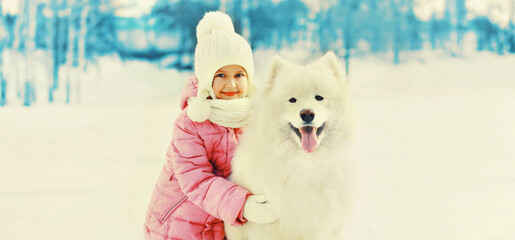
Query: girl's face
column 230, row 82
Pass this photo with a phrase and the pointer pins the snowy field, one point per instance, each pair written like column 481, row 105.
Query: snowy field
column 434, row 147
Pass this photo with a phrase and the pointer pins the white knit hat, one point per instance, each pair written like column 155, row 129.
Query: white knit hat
column 218, row 45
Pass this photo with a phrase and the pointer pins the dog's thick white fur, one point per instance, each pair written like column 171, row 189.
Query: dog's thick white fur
column 299, row 162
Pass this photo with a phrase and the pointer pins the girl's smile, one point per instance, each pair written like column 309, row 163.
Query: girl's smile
column 229, row 94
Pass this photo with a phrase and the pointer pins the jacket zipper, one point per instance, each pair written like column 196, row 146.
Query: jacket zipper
column 170, row 210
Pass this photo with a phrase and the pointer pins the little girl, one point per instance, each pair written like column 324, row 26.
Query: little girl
column 192, row 195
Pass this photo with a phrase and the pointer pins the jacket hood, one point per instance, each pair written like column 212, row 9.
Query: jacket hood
column 189, row 89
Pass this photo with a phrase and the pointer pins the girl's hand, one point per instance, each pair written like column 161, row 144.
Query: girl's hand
column 258, row 210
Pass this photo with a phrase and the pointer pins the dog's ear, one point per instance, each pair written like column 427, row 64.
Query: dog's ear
column 332, row 61
column 277, row 63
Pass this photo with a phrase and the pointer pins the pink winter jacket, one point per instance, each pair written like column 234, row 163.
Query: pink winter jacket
column 192, row 195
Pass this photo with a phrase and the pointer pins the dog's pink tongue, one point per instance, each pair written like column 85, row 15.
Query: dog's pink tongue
column 309, row 138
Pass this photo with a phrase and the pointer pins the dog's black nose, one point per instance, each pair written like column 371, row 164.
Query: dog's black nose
column 307, row 115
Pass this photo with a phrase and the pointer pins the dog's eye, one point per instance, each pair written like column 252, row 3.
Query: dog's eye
column 292, row 100
column 319, row 98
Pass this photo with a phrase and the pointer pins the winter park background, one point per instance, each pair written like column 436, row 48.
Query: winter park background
column 89, row 93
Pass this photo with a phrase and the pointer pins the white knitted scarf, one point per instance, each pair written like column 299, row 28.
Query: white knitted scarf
column 228, row 113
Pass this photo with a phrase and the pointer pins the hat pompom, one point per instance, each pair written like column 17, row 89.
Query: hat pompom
column 197, row 110
column 213, row 21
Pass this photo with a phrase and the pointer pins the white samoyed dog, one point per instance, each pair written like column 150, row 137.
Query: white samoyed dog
column 295, row 153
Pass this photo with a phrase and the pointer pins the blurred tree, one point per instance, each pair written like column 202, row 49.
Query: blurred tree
column 3, row 43
column 10, row 23
column 439, row 31
column 486, row 33
column 445, row 35
column 348, row 9
column 26, row 36
column 58, row 42
column 101, row 38
column 510, row 37
column 81, row 44
column 184, row 16
column 413, row 34
column 42, row 33
column 397, row 33
column 328, row 29
column 377, row 24
column 72, row 50
column 291, row 21
column 76, row 31
column 237, row 14
column 262, row 24
column 461, row 22
column 510, row 30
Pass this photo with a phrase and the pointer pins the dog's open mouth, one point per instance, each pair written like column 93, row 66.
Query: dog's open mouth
column 308, row 136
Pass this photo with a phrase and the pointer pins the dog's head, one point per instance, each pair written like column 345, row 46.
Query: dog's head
column 307, row 99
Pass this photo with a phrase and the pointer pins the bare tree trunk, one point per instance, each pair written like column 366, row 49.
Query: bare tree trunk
column 3, row 82
column 461, row 12
column 82, row 47
column 397, row 30
column 54, row 47
column 30, row 47
column 245, row 22
column 15, row 71
column 70, row 48
column 25, row 37
column 413, row 27
column 511, row 29
column 347, row 31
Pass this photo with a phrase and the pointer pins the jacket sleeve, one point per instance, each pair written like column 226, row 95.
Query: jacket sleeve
column 215, row 195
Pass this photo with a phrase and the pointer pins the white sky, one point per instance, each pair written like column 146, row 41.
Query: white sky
column 134, row 8
column 498, row 10
column 9, row 6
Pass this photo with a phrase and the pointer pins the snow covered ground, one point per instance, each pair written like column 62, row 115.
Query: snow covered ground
column 434, row 147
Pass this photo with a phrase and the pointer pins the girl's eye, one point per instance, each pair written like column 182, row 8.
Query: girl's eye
column 239, row 75
column 292, row 100
column 319, row 98
column 220, row 75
